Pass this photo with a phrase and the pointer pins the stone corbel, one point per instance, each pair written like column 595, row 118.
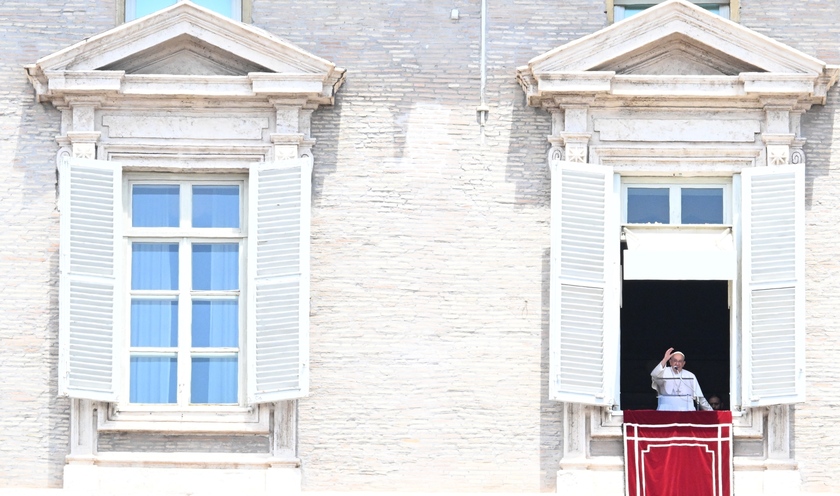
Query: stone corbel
column 83, row 143
column 577, row 147
column 83, row 135
column 288, row 146
column 778, row 148
column 575, row 133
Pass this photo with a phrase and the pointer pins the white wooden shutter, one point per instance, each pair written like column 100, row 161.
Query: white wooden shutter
column 278, row 280
column 584, row 280
column 773, row 293
column 91, row 202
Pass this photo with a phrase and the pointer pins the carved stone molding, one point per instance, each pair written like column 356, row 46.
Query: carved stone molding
column 797, row 156
column 778, row 154
column 576, row 152
column 555, row 156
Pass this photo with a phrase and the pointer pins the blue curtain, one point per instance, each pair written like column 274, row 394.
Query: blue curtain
column 154, row 266
column 214, row 380
column 154, row 323
column 215, row 323
column 215, row 206
column 155, row 205
column 215, row 267
column 153, row 379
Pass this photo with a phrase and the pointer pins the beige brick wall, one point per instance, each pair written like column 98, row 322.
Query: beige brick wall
column 429, row 248
column 33, row 421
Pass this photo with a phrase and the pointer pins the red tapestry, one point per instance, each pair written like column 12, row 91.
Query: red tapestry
column 677, row 453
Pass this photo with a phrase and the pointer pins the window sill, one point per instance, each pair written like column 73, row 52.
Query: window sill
column 746, row 424
column 232, row 420
column 185, row 460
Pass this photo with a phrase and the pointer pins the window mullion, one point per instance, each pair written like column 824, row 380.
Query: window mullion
column 675, row 201
column 184, row 321
column 184, row 298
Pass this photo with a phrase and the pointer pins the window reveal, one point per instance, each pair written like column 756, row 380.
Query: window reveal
column 134, row 9
column 185, row 291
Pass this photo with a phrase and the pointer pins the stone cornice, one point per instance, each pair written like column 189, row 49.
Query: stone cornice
column 94, row 67
column 583, row 68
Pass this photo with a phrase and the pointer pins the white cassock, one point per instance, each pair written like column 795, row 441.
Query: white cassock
column 676, row 391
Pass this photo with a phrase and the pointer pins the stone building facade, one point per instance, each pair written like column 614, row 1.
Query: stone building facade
column 437, row 135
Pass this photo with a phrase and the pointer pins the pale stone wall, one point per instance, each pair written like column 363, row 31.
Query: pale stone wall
column 33, row 421
column 429, row 248
column 811, row 26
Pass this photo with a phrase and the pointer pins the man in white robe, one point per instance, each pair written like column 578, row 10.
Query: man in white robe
column 677, row 388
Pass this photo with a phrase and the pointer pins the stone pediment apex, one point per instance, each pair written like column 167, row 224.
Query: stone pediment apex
column 182, row 50
column 675, row 50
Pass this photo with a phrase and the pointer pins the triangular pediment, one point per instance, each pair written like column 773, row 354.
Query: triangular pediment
column 185, row 41
column 186, row 55
column 677, row 55
column 675, row 49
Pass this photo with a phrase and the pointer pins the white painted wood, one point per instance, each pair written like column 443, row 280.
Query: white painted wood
column 90, row 279
column 659, row 253
column 584, row 305
column 278, row 280
column 773, row 292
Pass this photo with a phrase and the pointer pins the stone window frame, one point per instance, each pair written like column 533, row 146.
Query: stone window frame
column 244, row 13
column 733, row 5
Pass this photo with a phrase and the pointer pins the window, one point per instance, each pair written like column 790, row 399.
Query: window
column 622, row 9
column 753, row 307
column 192, row 294
column 677, row 229
column 675, row 203
column 186, row 262
column 235, row 9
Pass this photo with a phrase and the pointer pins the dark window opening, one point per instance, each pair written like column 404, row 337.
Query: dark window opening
column 691, row 316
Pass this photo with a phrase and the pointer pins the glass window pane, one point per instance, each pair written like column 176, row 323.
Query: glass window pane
column 154, row 323
column 702, row 205
column 153, row 379
column 215, row 323
column 215, row 266
column 214, row 380
column 220, row 6
column 631, row 10
column 155, row 205
column 711, row 7
column 146, row 7
column 154, row 266
column 215, row 206
column 648, row 206
column 635, row 9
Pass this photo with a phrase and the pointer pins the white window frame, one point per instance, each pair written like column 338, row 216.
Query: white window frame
column 126, row 10
column 92, row 320
column 675, row 187
column 184, row 236
column 766, row 280
column 615, row 8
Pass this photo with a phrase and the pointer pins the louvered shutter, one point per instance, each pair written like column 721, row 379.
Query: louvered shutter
column 89, row 265
column 278, row 280
column 773, row 294
column 584, row 281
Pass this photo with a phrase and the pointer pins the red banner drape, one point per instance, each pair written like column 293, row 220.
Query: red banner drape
column 677, row 453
